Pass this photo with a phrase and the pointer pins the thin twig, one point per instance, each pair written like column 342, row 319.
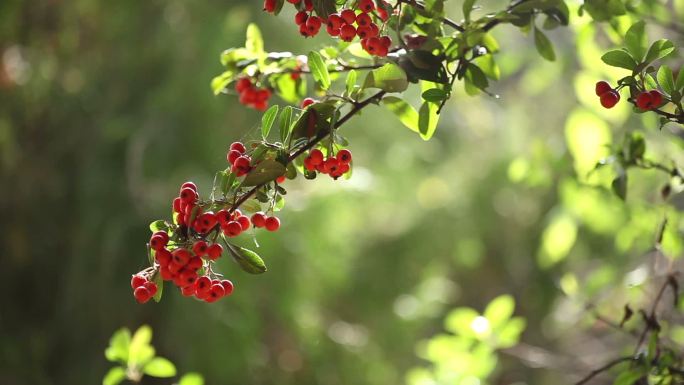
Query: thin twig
column 602, row 369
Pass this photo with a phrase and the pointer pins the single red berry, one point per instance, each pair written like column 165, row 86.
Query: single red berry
column 164, row 235
column 214, row 251
column 272, row 223
column 244, row 222
column 223, row 216
column 151, row 287
column 280, row 179
column 137, row 281
column 188, row 185
column 157, row 242
column 363, row 20
column 218, row 290
column 364, row 32
column 349, row 16
column 307, row 102
column 207, row 220
column 344, row 156
column 163, row 256
column 188, row 195
column 259, row 219
column 330, row 165
column 366, row 5
column 176, row 205
column 232, row 229
column 347, row 32
column 308, row 5
column 227, row 287
column 602, row 87
column 300, row 17
column 188, row 278
column 141, row 294
column 657, row 98
column 270, row 5
column 308, row 164
column 644, row 101
column 316, row 156
column 335, row 21
column 238, row 146
column 194, row 263
column 174, row 267
column 386, row 41
column 382, row 14
column 242, row 85
column 181, row 257
column 232, row 155
column 609, row 99
column 203, row 284
column 188, row 291
column 332, row 31
column 200, row 248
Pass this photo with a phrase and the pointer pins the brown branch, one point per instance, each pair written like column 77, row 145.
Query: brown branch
column 650, row 318
column 602, row 369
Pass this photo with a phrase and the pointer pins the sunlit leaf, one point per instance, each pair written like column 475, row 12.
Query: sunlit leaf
column 319, row 70
column 266, row 171
column 191, row 379
column 619, row 58
column 267, row 120
column 114, row 376
column 248, row 260
column 404, row 111
column 390, row 77
column 119, row 345
column 159, row 367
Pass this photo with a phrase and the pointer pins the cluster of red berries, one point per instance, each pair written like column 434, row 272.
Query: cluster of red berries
column 143, row 289
column 335, row 166
column 649, row 100
column 608, row 96
column 252, row 96
column 346, row 24
column 645, row 100
column 241, row 163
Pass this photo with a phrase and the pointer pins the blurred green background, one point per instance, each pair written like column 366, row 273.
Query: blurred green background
column 105, row 109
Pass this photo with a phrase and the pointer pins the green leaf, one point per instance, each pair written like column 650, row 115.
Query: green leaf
column 219, row 83
column 435, row 95
column 248, row 260
column 266, row 171
column 191, row 379
column 427, row 120
column 160, row 367
column 499, row 310
column 254, row 42
column 543, row 44
column 114, row 376
column 160, row 287
column 630, row 376
column 159, row 225
column 319, row 70
column 140, row 349
column 619, row 58
column 467, row 9
column 476, row 76
column 267, row 120
column 118, row 346
column 390, row 77
column 324, row 8
column 285, row 123
column 635, row 40
column 351, row 81
column 619, row 186
column 666, row 79
column 679, row 84
column 659, row 49
column 404, row 111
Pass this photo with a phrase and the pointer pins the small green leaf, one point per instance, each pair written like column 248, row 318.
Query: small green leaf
column 157, row 279
column 118, row 346
column 224, row 181
column 285, row 123
column 543, row 44
column 191, row 379
column 140, row 349
column 619, row 186
column 404, row 111
column 390, row 77
column 658, row 50
column 254, row 42
column 635, row 40
column 467, row 9
column 219, row 83
column 266, row 171
column 267, row 120
column 319, row 70
column 159, row 367
column 679, row 84
column 666, row 79
column 619, row 58
column 248, row 260
column 476, row 76
column 427, row 120
column 159, row 225
column 630, row 376
column 114, row 376
column 435, row 95
column 499, row 310
column 351, row 81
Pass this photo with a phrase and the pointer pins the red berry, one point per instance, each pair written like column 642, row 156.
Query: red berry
column 347, row 32
column 163, row 256
column 270, row 5
column 602, row 87
column 386, row 41
column 308, row 164
column 207, row 220
column 165, row 273
column 203, row 284
column 366, row 5
column 238, row 146
column 188, row 195
column 300, row 17
column 223, row 216
column 316, row 156
column 176, row 205
column 308, row 5
column 364, row 32
column 175, row 267
column 280, row 179
column 157, row 242
column 335, row 21
column 214, row 251
column 232, row 229
column 188, row 291
column 349, row 16
column 294, row 1
column 307, row 102
column 330, row 165
column 232, row 155
column 609, row 99
column 332, row 31
column 344, row 156
column 194, row 264
column 363, row 20
column 259, row 219
column 242, row 85
column 188, row 278
column 272, row 223
column 141, row 294
column 189, row 185
column 137, row 281
column 244, row 222
column 382, row 14
column 657, row 98
column 227, row 287
column 200, row 248
column 644, row 101
column 181, row 257
column 218, row 290
column 151, row 287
